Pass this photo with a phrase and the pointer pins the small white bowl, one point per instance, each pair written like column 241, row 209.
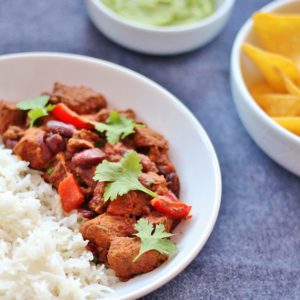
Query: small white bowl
column 159, row 40
column 280, row 144
column 26, row 75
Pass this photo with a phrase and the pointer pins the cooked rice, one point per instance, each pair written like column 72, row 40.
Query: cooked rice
column 42, row 254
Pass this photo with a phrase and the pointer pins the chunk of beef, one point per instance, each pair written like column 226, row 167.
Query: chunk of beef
column 115, row 152
column 103, row 228
column 10, row 115
column 133, row 203
column 146, row 137
column 160, row 157
column 102, row 115
column 122, row 253
column 32, row 148
column 128, row 113
column 87, row 135
column 154, row 182
column 59, row 171
column 76, row 145
column 162, row 161
column 12, row 135
column 97, row 203
column 148, row 165
column 156, row 218
column 86, row 175
column 165, row 167
column 83, row 139
column 82, row 100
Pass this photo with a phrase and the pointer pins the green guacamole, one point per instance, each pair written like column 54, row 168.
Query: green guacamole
column 162, row 12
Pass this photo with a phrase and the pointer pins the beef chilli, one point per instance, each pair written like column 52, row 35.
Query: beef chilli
column 106, row 164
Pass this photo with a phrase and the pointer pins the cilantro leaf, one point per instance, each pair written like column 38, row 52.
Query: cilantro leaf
column 153, row 238
column 50, row 171
column 50, row 107
column 36, row 113
column 37, row 108
column 117, row 127
column 34, row 103
column 122, row 176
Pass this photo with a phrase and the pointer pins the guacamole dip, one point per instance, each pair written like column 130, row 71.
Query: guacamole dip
column 162, row 12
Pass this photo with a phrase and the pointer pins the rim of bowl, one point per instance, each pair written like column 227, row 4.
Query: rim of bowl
column 217, row 14
column 165, row 277
column 238, row 76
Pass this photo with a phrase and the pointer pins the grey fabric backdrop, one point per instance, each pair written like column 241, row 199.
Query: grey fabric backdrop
column 253, row 251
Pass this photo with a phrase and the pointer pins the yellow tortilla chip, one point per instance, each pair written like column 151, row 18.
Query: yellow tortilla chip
column 279, row 105
column 261, row 88
column 269, row 64
column 279, row 33
column 292, row 124
column 290, row 86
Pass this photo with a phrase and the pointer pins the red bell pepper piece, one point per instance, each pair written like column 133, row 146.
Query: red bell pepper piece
column 171, row 208
column 70, row 193
column 64, row 114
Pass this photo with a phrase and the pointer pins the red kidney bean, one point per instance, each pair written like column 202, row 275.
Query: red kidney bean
column 173, row 183
column 63, row 129
column 88, row 157
column 44, row 148
column 55, row 143
column 86, row 213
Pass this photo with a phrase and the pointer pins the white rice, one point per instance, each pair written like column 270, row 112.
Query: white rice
column 42, row 254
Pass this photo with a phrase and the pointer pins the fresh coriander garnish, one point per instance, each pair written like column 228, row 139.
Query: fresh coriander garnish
column 153, row 238
column 117, row 127
column 50, row 171
column 123, row 176
column 37, row 108
column 40, row 101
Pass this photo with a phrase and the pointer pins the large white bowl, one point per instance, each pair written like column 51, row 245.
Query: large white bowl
column 26, row 75
column 159, row 40
column 281, row 145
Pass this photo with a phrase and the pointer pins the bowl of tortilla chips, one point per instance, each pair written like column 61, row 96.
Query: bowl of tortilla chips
column 265, row 80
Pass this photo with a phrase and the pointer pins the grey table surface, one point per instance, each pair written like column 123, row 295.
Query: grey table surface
column 253, row 252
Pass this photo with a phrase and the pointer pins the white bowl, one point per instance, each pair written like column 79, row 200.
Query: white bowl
column 280, row 144
column 159, row 40
column 26, row 75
